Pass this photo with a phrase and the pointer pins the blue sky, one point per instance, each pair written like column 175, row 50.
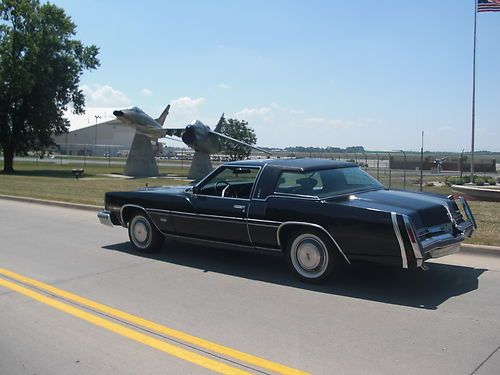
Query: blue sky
column 312, row 73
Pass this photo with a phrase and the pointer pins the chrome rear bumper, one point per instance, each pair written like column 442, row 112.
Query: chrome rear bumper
column 449, row 243
column 105, row 217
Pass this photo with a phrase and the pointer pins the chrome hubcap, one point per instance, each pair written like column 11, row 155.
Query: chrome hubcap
column 309, row 255
column 140, row 231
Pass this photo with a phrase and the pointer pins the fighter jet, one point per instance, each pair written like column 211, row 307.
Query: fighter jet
column 142, row 122
column 196, row 134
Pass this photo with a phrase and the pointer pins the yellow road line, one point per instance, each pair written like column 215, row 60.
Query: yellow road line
column 187, row 338
column 127, row 332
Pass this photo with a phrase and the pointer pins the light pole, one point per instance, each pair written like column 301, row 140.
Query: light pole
column 390, row 170
column 95, row 140
column 404, row 171
column 422, row 163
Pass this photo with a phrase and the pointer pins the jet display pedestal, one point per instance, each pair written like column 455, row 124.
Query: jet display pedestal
column 200, row 166
column 141, row 160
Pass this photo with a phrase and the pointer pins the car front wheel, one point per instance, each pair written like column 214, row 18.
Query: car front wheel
column 143, row 234
column 310, row 256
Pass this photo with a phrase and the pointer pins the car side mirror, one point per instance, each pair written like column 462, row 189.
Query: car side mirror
column 196, row 190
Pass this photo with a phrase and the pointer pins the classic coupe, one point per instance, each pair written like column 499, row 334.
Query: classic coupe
column 320, row 214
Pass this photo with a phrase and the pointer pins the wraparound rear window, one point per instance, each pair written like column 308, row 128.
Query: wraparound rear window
column 327, row 182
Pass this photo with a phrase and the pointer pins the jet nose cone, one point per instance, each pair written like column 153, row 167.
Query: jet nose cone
column 118, row 113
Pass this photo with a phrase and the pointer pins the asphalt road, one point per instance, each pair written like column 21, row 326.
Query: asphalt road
column 374, row 320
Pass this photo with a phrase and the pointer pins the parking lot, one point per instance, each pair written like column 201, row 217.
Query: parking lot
column 75, row 298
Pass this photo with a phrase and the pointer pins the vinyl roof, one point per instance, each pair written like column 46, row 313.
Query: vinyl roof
column 301, row 165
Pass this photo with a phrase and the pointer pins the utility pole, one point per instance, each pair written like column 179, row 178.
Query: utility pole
column 422, row 162
column 95, row 140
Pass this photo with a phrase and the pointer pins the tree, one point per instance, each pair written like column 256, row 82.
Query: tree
column 40, row 68
column 238, row 130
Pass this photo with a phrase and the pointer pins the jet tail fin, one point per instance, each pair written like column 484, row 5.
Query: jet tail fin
column 219, row 124
column 163, row 116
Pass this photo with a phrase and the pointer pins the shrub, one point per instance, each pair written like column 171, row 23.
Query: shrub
column 491, row 180
column 479, row 181
column 454, row 180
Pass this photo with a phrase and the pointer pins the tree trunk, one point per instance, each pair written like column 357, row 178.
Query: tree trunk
column 8, row 160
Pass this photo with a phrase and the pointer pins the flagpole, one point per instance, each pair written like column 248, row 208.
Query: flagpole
column 473, row 96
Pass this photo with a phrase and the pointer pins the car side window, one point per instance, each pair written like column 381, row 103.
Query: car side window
column 327, row 182
column 299, row 183
column 233, row 182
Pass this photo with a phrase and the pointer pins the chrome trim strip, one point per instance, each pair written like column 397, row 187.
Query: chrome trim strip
column 208, row 216
column 265, row 221
column 183, row 213
column 468, row 211
column 269, row 249
column 157, row 210
column 265, row 225
column 395, row 225
column 450, row 216
column 219, row 197
column 315, row 226
column 415, row 246
column 311, row 197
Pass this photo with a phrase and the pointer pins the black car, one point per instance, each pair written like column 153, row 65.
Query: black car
column 319, row 213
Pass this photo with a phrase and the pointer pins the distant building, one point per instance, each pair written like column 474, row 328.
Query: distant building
column 450, row 163
column 97, row 140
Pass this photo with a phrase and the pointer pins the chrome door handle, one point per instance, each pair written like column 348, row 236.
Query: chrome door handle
column 240, row 207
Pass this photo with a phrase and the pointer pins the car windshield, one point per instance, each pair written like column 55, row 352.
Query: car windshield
column 325, row 183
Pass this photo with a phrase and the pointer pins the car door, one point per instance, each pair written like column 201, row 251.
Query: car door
column 221, row 215
column 221, row 219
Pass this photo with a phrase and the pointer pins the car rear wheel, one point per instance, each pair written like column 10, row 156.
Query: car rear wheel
column 310, row 256
column 143, row 234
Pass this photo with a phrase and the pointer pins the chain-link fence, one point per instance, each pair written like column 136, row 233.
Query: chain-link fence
column 413, row 171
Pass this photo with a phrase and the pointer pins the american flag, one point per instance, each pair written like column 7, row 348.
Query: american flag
column 488, row 5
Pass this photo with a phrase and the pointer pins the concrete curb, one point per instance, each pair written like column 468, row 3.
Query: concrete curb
column 467, row 248
column 78, row 206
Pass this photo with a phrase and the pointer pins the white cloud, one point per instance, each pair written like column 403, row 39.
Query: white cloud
column 186, row 105
column 224, row 86
column 146, row 92
column 253, row 112
column 104, row 96
column 290, row 110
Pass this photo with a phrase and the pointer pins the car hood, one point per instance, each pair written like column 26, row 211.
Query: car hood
column 424, row 209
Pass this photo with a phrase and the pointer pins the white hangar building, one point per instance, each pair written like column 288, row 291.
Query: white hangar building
column 97, row 140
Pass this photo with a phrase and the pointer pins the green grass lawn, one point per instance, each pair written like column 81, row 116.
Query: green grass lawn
column 56, row 182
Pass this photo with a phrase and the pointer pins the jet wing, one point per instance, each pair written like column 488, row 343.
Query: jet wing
column 111, row 122
column 219, row 135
